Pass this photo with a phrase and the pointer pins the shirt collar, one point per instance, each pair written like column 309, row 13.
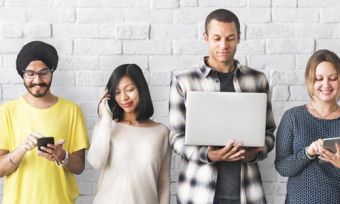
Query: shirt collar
column 206, row 70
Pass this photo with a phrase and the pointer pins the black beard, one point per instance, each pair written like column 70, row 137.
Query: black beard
column 40, row 84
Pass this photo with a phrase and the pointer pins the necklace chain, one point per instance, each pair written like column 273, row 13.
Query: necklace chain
column 319, row 115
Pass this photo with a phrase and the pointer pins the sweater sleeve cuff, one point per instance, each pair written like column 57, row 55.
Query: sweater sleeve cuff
column 307, row 155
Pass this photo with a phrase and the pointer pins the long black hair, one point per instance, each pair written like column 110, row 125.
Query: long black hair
column 134, row 72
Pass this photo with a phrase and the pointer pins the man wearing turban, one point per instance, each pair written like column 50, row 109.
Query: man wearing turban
column 45, row 175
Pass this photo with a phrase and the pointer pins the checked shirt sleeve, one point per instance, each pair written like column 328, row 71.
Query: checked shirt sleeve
column 177, row 125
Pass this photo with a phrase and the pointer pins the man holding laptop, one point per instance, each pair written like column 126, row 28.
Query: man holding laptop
column 211, row 174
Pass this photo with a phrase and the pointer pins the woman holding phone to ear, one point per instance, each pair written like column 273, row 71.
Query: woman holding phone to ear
column 299, row 142
column 132, row 151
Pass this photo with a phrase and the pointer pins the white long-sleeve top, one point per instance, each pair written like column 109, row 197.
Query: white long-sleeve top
column 134, row 163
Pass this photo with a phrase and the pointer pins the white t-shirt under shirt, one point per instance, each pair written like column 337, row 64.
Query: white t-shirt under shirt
column 134, row 162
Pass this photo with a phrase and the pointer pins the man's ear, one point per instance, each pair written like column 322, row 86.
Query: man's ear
column 238, row 37
column 205, row 36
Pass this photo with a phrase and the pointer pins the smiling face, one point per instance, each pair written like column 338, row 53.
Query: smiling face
column 327, row 84
column 37, row 79
column 222, row 39
column 127, row 96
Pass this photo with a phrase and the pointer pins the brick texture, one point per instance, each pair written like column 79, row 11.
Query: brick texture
column 94, row 37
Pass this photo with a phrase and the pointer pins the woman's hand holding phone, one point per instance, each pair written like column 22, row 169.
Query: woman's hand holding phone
column 104, row 107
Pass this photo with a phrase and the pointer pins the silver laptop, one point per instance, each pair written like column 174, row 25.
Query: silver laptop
column 214, row 118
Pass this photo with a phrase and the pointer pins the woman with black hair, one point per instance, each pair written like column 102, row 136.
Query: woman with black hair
column 131, row 150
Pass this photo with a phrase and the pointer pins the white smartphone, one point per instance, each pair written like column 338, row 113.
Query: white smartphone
column 108, row 107
column 329, row 143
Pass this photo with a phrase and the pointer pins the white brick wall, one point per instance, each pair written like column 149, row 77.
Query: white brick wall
column 93, row 37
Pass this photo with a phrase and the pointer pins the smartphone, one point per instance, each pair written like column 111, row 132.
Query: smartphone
column 43, row 141
column 329, row 143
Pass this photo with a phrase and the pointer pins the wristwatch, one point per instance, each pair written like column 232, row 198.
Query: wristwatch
column 64, row 161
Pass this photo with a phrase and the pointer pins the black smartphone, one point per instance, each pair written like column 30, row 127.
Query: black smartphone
column 43, row 141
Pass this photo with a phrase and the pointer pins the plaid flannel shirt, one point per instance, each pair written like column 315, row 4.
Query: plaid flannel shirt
column 197, row 178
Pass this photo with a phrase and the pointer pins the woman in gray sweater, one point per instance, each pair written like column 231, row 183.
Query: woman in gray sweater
column 302, row 130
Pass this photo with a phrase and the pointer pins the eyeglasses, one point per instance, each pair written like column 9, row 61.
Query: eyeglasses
column 30, row 74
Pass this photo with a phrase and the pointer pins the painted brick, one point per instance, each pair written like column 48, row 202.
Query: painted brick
column 133, row 32
column 10, row 46
column 38, row 3
column 188, row 3
column 251, row 47
column 98, row 46
column 280, row 93
column 38, row 30
column 306, row 15
column 290, row 46
column 9, row 61
column 222, row 3
column 76, row 93
column 301, row 61
column 331, row 44
column 272, row 62
column 10, row 14
column 148, row 16
column 92, row 78
column 111, row 62
column 160, row 4
column 107, row 30
column 9, row 76
column 12, row 91
column 12, row 30
column 299, row 93
column 79, row 63
column 260, row 31
column 330, row 15
column 317, row 30
column 51, row 15
column 1, row 62
column 173, row 32
column 191, row 15
column 318, row 4
column 78, row 3
column 99, row 15
column 287, row 4
column 287, row 77
column 159, row 93
column 172, row 62
column 76, row 30
column 189, row 47
column 84, row 199
column 14, row 3
column 161, row 108
column 147, row 47
column 259, row 3
column 63, row 78
column 161, row 78
column 63, row 46
column 117, row 4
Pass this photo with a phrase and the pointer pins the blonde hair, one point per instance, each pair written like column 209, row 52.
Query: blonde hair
column 318, row 57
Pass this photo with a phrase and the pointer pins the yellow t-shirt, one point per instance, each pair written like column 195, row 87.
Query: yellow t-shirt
column 37, row 180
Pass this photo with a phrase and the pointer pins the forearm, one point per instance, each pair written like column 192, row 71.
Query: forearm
column 293, row 164
column 100, row 145
column 76, row 162
column 9, row 161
